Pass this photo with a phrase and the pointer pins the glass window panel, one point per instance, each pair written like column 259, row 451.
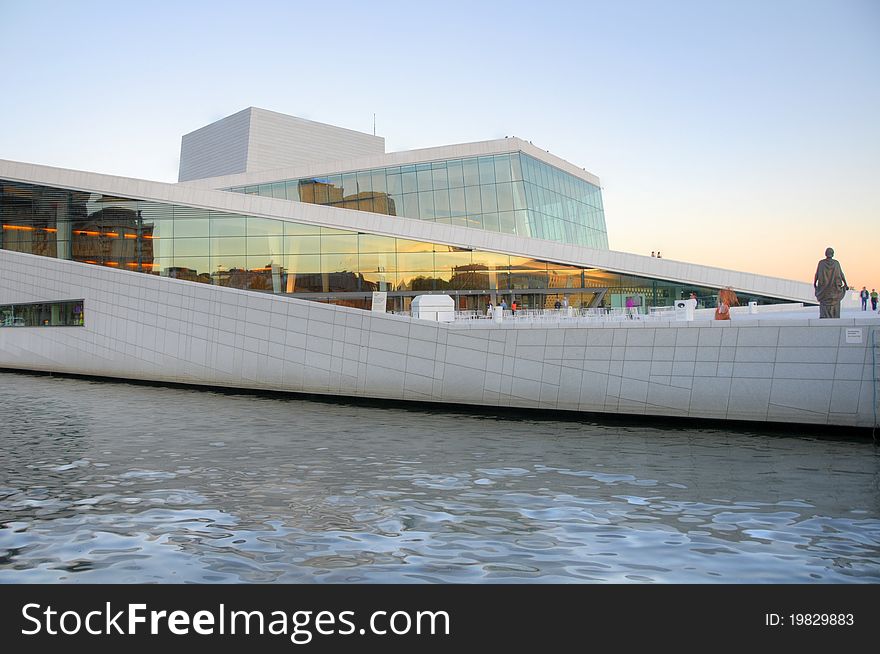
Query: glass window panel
column 408, row 180
column 457, row 206
column 395, row 183
column 349, row 185
column 262, row 227
column 439, row 178
column 194, row 269
column 411, row 205
column 378, row 181
column 395, row 205
column 307, row 191
column 292, row 190
column 526, row 263
column 490, row 222
column 339, row 243
column 507, row 222
column 472, row 200
column 364, row 181
column 365, row 204
column 425, row 179
column 415, row 261
column 305, row 244
column 338, row 262
column 159, row 266
column 382, row 203
column 441, row 204
column 228, row 261
column 404, row 245
column 261, row 262
column 322, row 193
column 191, row 247
column 278, row 191
column 426, row 205
column 475, row 221
column 491, row 260
column 455, row 173
column 504, row 193
column 292, row 229
column 488, row 198
column 385, row 262
column 460, row 221
column 445, row 261
column 471, row 170
column 192, row 227
column 303, row 263
column 234, row 226
column 502, row 168
column 251, row 190
column 332, row 231
column 487, row 170
column 265, row 190
column 264, row 244
column 228, row 246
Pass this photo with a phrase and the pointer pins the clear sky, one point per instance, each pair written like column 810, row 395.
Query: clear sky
column 743, row 134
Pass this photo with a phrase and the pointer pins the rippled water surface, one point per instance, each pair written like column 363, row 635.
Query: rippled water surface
column 110, row 482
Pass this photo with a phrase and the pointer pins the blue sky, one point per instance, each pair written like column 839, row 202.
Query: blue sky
column 740, row 134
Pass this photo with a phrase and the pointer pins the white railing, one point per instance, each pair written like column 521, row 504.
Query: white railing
column 550, row 316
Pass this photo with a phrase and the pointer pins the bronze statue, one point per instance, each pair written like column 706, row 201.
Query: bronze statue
column 830, row 285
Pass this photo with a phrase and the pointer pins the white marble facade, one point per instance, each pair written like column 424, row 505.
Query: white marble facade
column 141, row 326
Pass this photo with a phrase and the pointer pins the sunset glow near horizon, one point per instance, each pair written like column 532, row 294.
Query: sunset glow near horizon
column 742, row 135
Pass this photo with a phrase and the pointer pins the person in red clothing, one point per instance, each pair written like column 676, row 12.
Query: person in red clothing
column 513, row 308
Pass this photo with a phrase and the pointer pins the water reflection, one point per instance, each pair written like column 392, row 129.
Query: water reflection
column 122, row 483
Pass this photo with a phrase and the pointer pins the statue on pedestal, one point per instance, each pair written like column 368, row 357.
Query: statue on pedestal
column 830, row 285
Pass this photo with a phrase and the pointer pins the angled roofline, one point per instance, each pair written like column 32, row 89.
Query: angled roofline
column 404, row 157
column 679, row 272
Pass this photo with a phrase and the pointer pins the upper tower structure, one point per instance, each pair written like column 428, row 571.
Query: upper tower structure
column 256, row 139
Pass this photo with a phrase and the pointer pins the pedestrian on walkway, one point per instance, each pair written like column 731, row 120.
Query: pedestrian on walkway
column 863, row 296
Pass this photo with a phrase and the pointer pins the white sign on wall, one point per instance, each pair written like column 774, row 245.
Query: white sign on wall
column 854, row 336
column 380, row 298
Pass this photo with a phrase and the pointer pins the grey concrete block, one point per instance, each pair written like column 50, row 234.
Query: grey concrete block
column 633, row 390
column 812, row 395
column 638, row 353
column 669, row 397
column 845, row 396
column 758, row 337
column 804, row 371
column 710, row 397
column 809, row 337
column 755, row 354
column 749, row 398
column 705, row 369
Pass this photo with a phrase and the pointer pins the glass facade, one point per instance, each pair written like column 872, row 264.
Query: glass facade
column 68, row 313
column 276, row 256
column 511, row 193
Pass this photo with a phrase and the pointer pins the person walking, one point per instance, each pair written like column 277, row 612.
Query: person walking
column 489, row 310
column 513, row 308
column 863, row 296
column 873, row 299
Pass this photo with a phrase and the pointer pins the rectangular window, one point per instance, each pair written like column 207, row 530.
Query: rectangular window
column 455, row 173
column 67, row 313
column 471, row 170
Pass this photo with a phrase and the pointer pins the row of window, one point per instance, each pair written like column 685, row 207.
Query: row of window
column 68, row 313
column 262, row 254
column 509, row 193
